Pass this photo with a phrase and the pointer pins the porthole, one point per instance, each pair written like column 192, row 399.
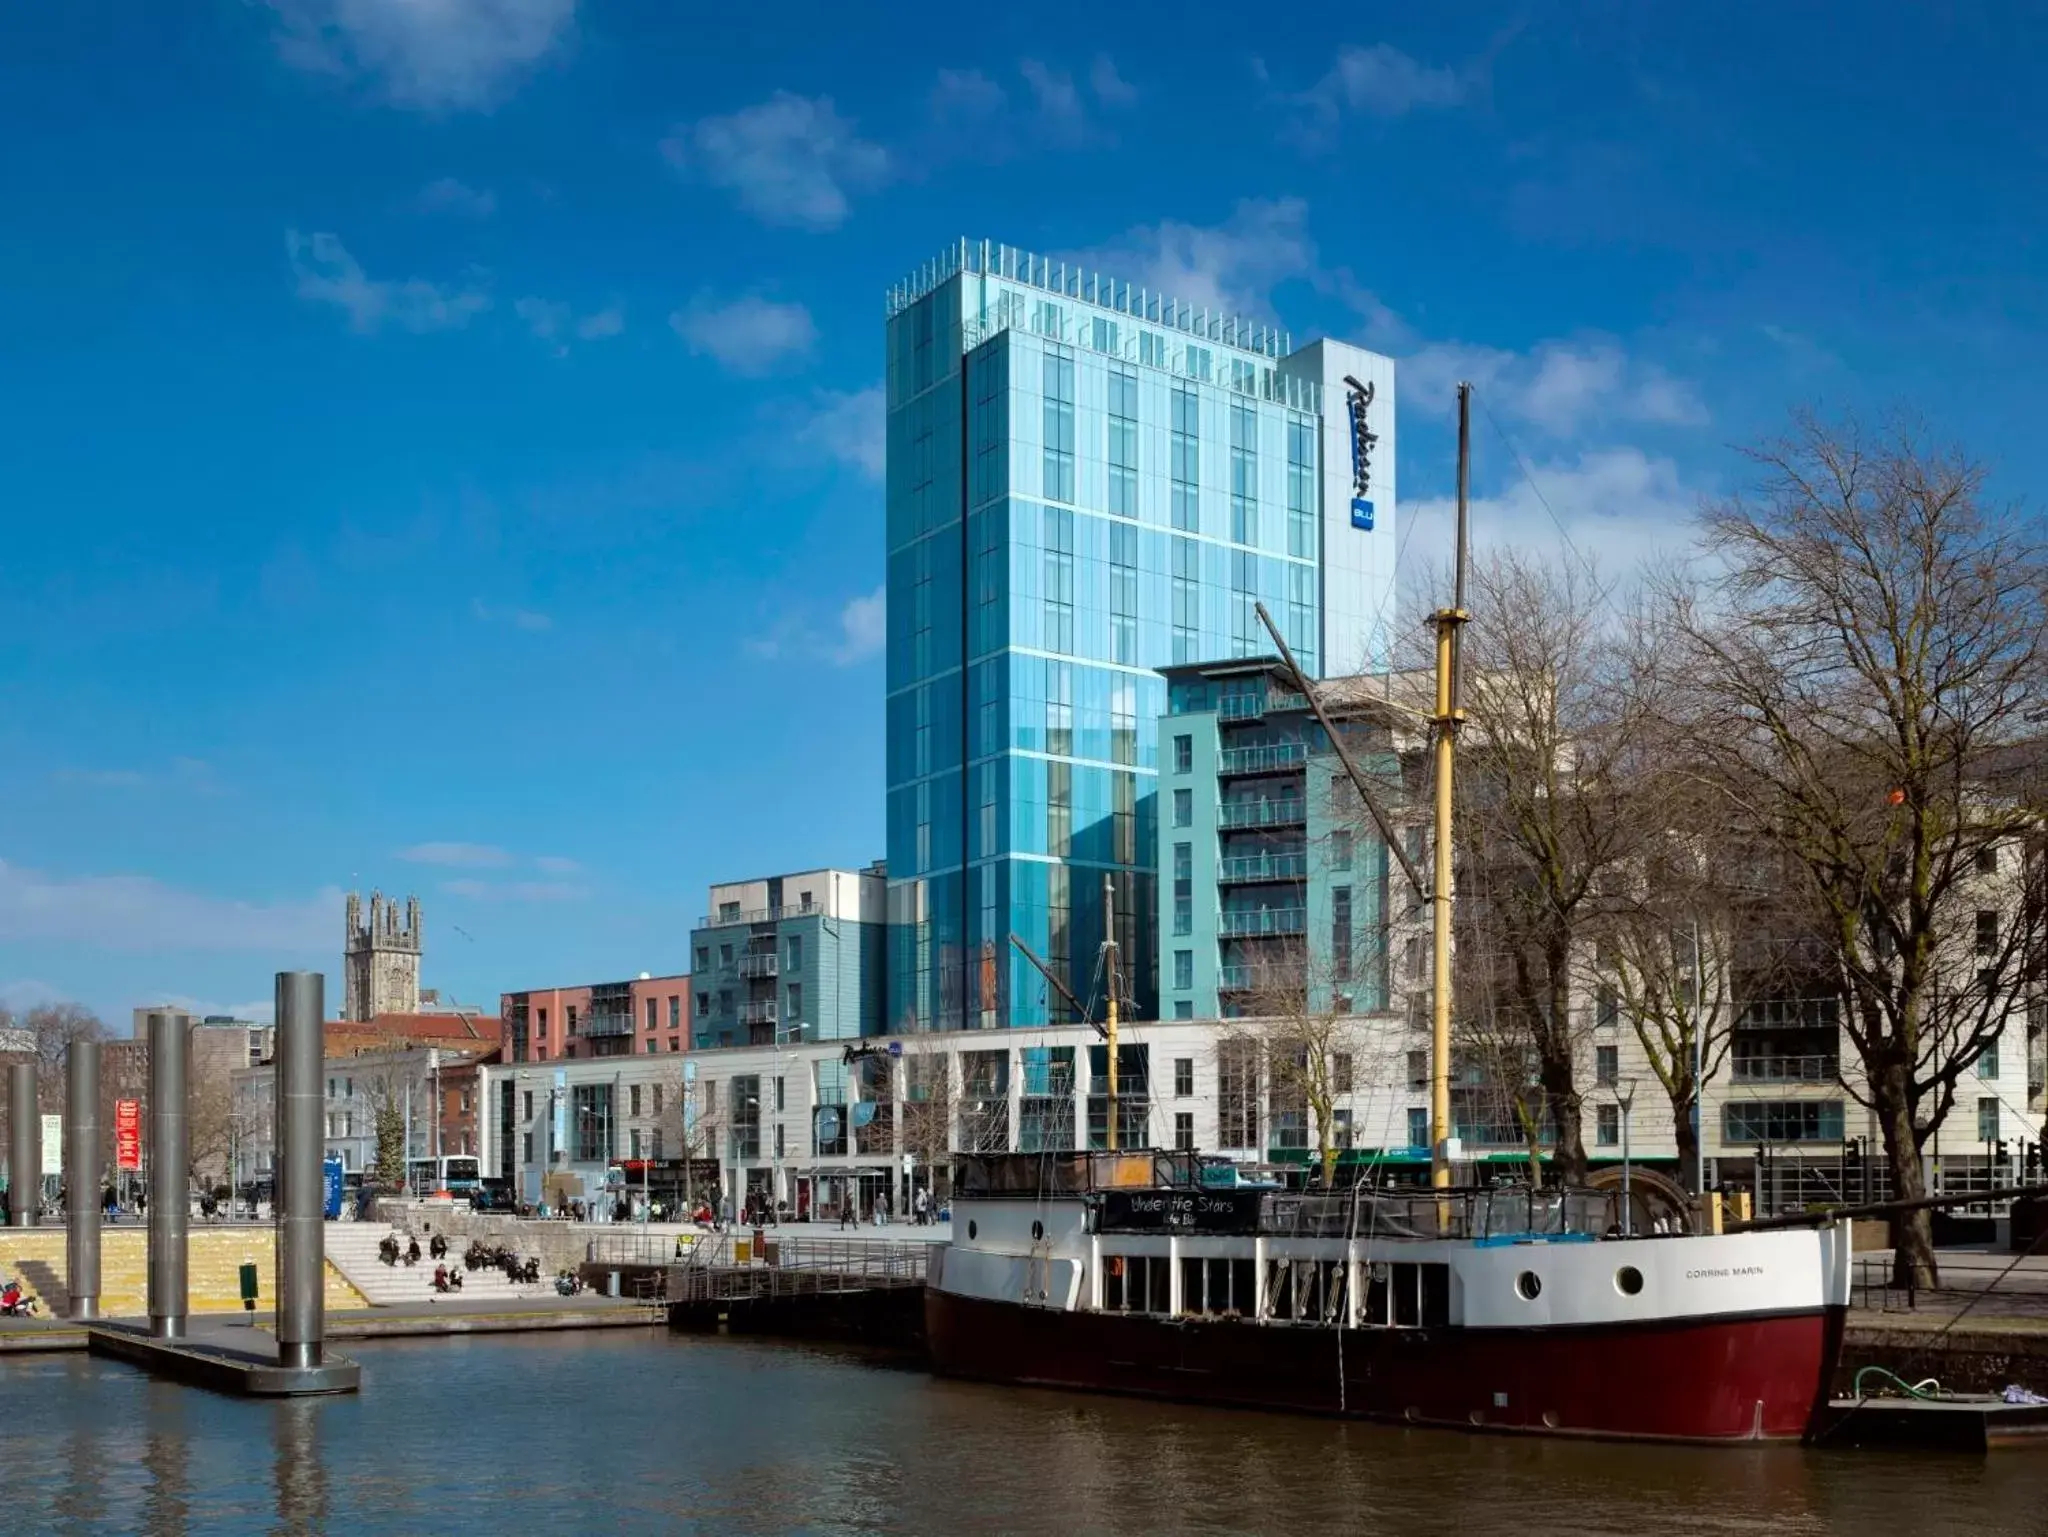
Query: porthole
column 1037, row 1230
column 1530, row 1285
column 970, row 1229
column 1628, row 1280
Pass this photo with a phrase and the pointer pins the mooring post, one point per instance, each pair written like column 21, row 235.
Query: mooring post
column 24, row 1147
column 169, row 1176
column 301, row 1193
column 82, row 1177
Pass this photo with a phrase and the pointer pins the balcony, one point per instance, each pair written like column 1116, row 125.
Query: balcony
column 1266, row 758
column 1256, row 706
column 599, row 1026
column 1247, row 869
column 765, row 964
column 1786, row 1069
column 1790, row 1014
column 759, row 1013
column 1256, row 979
column 760, row 915
column 1266, row 922
column 1283, row 813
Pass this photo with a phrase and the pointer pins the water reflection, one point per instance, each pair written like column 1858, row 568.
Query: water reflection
column 626, row 1433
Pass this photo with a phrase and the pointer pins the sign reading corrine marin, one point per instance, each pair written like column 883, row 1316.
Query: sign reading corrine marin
column 1363, row 438
column 1180, row 1211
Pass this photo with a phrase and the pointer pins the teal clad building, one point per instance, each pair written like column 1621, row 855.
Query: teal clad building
column 1088, row 481
column 787, row 958
column 1272, row 877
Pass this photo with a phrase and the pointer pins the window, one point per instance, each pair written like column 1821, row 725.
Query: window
column 655, row 1154
column 728, row 910
column 1186, row 598
column 1185, row 463
column 675, row 1011
column 1059, row 580
column 796, row 1003
column 653, row 1011
column 1418, row 1069
column 633, row 1138
column 703, row 957
column 675, row 1043
column 1183, row 1077
column 543, row 1021
column 1123, row 441
column 1123, row 591
column 1184, row 1008
column 1418, row 1127
column 1340, row 933
column 570, row 1012
column 1987, row 860
column 1987, row 933
column 1606, row 1006
column 1340, row 1072
column 1244, row 474
column 1183, row 888
column 1342, row 1129
column 1237, row 1092
column 529, row 1106
column 1607, row 1065
column 1183, row 754
column 796, row 952
column 1301, row 489
column 1057, row 376
column 703, row 1005
column 1183, row 1130
column 1183, row 970
column 633, row 1100
column 528, row 1156
column 1774, row 1121
column 1136, row 1283
column 1987, row 1061
column 1607, row 1125
column 781, row 1094
column 725, row 956
column 657, row 1099
column 1183, row 808
column 1987, row 1120
column 1340, row 849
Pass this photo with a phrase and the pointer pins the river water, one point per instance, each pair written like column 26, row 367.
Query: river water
column 625, row 1432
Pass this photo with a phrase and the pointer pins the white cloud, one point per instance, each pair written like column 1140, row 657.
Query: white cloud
column 472, row 855
column 1111, row 89
column 1561, row 387
column 1059, row 103
column 451, row 196
column 327, row 274
column 749, row 335
column 516, row 891
column 851, row 428
column 431, row 54
column 791, row 160
column 1618, row 506
column 139, row 912
column 557, row 323
column 860, row 632
column 1232, row 267
column 1380, row 81
column 556, row 864
column 530, row 620
column 966, row 94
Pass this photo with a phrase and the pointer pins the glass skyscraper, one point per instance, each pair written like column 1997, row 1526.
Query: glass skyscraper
column 1088, row 481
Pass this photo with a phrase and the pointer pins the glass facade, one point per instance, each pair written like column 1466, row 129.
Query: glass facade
column 1086, row 482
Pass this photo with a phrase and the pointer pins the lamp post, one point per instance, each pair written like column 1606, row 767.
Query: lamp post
column 1627, row 1096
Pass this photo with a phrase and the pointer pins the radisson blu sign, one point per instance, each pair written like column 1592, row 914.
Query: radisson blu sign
column 1362, row 440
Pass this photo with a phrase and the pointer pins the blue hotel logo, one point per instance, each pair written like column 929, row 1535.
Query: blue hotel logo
column 1362, row 440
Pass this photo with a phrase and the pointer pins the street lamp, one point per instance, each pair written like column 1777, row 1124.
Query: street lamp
column 1627, row 1095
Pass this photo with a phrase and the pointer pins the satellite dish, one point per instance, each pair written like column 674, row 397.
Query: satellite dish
column 827, row 1123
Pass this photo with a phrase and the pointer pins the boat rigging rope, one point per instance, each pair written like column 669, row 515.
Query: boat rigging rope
column 1926, row 1387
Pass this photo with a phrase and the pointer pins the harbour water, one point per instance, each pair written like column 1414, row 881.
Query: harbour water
column 628, row 1432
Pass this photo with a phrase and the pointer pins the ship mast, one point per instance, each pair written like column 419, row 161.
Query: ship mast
column 1109, row 960
column 1448, row 622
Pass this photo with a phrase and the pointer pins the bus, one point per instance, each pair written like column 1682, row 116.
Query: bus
column 458, row 1174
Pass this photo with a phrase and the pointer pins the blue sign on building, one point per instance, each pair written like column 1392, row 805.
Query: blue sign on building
column 1362, row 440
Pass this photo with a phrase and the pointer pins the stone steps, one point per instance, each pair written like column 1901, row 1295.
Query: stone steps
column 213, row 1262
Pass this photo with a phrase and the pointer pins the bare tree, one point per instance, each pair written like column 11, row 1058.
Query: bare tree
column 1309, row 1043
column 1549, row 761
column 1866, row 661
column 927, row 1109
column 692, row 1120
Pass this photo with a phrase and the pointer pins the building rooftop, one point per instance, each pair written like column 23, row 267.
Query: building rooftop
column 1071, row 280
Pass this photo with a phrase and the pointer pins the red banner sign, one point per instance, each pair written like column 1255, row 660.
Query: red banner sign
column 127, row 1133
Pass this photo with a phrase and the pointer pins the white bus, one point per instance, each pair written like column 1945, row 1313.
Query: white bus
column 459, row 1174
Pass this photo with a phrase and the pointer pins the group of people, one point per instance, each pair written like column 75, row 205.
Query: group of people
column 483, row 1256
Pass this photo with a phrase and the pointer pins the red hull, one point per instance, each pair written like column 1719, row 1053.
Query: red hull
column 1716, row 1379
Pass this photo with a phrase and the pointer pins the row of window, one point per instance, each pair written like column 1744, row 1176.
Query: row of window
column 1396, row 1295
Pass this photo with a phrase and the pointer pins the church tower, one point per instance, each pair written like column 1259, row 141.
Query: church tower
column 381, row 958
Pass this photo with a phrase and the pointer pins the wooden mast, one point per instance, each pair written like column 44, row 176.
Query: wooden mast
column 1448, row 714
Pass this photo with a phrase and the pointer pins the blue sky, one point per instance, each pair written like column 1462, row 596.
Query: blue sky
column 441, row 440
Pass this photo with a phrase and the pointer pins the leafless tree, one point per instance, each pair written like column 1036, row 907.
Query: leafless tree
column 1311, row 1048
column 1548, row 765
column 927, row 1109
column 1865, row 673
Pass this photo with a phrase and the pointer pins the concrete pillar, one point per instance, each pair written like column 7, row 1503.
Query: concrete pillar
column 24, row 1147
column 169, row 1174
column 300, row 1191
column 82, row 1177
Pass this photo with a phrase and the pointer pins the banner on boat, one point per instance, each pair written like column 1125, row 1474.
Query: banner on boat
column 1181, row 1211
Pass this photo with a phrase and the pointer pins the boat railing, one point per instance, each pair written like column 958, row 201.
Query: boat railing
column 1503, row 1214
